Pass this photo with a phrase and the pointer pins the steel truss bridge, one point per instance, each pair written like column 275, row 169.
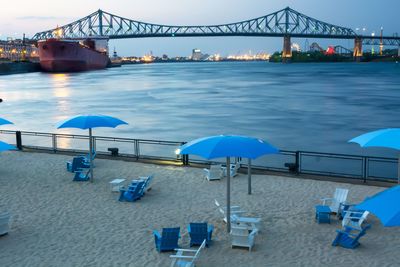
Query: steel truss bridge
column 283, row 23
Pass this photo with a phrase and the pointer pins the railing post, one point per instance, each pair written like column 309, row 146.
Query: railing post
column 54, row 141
column 297, row 162
column 136, row 144
column 365, row 171
column 18, row 139
column 185, row 158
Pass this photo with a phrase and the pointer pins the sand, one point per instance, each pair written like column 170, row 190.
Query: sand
column 58, row 222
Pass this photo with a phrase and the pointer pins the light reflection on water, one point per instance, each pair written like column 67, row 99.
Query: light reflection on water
column 315, row 107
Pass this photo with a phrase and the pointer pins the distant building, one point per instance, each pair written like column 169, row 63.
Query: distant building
column 196, row 54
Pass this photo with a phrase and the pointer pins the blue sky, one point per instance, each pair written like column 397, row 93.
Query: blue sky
column 27, row 16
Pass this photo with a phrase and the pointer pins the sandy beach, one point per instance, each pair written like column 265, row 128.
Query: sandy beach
column 58, row 222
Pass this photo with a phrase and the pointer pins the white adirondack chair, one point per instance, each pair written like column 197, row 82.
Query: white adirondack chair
column 234, row 169
column 214, row 173
column 186, row 260
column 339, row 197
column 354, row 219
column 234, row 210
column 251, row 223
column 240, row 237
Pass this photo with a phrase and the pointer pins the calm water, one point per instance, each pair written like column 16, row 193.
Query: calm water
column 316, row 107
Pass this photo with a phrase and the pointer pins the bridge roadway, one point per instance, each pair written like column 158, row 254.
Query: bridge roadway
column 286, row 23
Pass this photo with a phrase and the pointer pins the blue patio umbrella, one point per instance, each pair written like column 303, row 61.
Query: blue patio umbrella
column 89, row 122
column 385, row 206
column 229, row 146
column 4, row 121
column 389, row 138
column 4, row 146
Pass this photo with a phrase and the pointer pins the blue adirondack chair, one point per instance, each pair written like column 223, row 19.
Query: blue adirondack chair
column 87, row 157
column 147, row 181
column 133, row 193
column 349, row 237
column 76, row 164
column 168, row 240
column 81, row 176
column 200, row 231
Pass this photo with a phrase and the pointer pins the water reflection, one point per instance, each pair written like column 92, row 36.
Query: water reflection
column 60, row 82
column 64, row 142
column 62, row 92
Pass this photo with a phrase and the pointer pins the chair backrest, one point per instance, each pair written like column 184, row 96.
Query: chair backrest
column 135, row 191
column 239, row 230
column 139, row 188
column 198, row 231
column 340, row 194
column 76, row 163
column 170, row 237
column 362, row 232
column 215, row 170
column 235, row 168
column 240, row 235
column 148, row 181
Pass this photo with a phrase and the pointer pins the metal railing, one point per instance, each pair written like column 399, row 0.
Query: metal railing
column 300, row 162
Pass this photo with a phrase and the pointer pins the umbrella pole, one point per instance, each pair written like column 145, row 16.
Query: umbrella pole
column 398, row 171
column 90, row 155
column 228, row 194
column 249, row 176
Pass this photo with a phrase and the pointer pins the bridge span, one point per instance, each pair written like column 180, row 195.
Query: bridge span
column 286, row 23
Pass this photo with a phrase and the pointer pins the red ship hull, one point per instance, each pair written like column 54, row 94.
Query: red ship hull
column 69, row 56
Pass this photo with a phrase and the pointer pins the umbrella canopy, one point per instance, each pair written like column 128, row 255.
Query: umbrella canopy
column 220, row 146
column 89, row 122
column 385, row 205
column 229, row 146
column 389, row 138
column 4, row 121
column 4, row 146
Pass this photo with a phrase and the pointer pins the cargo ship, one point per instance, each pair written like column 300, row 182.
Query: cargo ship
column 63, row 55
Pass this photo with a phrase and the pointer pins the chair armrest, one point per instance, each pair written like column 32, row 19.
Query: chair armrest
column 78, row 170
column 185, row 250
column 237, row 211
column 232, row 207
column 346, row 233
column 181, row 257
column 188, row 229
column 157, row 234
column 352, row 217
column 210, row 227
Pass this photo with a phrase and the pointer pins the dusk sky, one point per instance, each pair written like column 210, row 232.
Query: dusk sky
column 26, row 16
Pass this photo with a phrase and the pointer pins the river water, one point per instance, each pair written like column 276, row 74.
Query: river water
column 314, row 107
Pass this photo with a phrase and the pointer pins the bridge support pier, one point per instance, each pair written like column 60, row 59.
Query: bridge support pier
column 358, row 52
column 287, row 49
